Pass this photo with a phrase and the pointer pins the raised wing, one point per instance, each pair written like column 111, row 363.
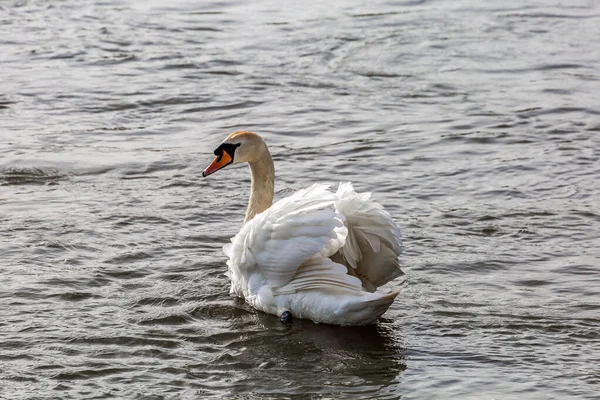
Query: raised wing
column 304, row 226
column 373, row 243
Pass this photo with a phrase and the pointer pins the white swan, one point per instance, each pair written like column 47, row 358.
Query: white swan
column 316, row 254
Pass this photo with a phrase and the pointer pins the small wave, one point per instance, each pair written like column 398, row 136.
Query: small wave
column 31, row 175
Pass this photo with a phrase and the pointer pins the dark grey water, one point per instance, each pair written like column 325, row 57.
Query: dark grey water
column 477, row 125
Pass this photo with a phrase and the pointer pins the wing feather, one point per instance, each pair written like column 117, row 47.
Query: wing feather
column 323, row 274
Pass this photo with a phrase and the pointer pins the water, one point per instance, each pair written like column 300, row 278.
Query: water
column 476, row 124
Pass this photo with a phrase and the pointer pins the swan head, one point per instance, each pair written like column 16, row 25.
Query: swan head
column 239, row 147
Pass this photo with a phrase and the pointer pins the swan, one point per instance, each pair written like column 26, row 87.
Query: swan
column 316, row 254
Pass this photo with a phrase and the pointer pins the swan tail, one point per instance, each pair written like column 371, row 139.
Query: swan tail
column 366, row 310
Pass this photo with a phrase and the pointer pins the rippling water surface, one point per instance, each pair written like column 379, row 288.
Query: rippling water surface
column 476, row 124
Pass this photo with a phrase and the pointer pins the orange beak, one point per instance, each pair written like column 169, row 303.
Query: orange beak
column 219, row 162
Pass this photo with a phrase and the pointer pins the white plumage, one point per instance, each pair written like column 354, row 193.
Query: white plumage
column 318, row 254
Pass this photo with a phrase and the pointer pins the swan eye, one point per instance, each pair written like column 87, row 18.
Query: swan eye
column 229, row 148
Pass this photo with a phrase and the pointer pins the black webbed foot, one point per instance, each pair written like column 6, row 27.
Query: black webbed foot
column 286, row 318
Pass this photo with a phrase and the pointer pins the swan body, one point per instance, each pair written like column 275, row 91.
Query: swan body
column 317, row 254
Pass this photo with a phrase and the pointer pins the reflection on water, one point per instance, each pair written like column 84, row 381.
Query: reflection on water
column 310, row 358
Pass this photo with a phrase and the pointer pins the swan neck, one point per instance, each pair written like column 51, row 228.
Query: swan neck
column 262, row 189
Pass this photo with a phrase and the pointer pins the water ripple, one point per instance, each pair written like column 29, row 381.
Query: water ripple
column 475, row 124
